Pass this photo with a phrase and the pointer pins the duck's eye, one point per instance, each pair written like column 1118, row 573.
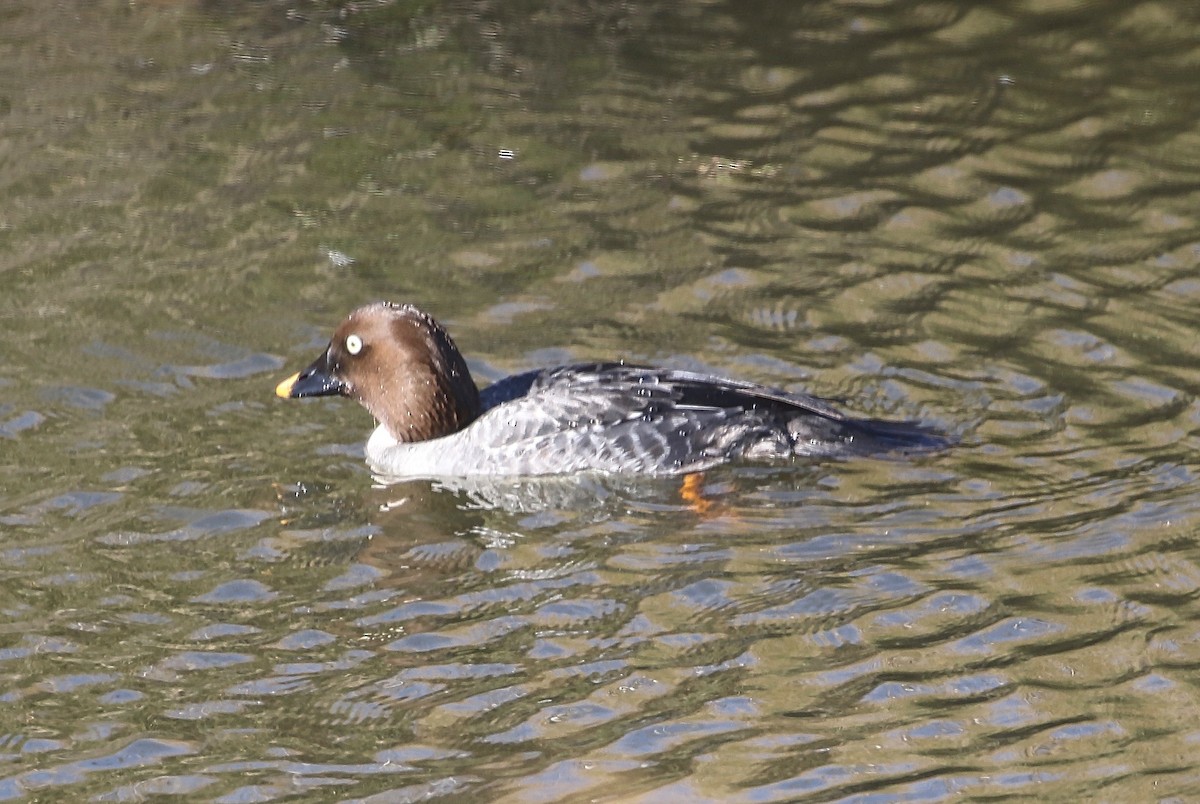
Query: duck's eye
column 354, row 344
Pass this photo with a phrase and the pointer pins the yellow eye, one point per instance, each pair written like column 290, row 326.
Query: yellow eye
column 354, row 344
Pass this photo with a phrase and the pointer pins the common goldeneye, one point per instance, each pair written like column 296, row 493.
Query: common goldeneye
column 403, row 367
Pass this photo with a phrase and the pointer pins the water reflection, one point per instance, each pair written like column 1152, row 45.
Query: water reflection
column 981, row 217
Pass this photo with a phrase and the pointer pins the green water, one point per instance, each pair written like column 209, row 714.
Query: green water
column 982, row 216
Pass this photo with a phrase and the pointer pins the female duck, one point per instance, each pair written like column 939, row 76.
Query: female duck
column 402, row 366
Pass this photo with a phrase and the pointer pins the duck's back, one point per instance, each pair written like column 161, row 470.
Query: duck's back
column 403, row 367
column 612, row 417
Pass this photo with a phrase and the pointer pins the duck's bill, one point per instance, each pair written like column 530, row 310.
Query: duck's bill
column 316, row 380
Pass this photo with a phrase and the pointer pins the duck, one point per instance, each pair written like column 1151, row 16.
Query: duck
column 613, row 418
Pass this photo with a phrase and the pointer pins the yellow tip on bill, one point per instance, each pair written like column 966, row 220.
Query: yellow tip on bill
column 284, row 389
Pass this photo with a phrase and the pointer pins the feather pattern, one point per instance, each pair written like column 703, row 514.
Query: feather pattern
column 403, row 367
column 616, row 418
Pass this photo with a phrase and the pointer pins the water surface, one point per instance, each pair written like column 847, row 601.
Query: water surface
column 981, row 216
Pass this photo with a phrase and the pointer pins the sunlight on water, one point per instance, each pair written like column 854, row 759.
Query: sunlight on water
column 981, row 218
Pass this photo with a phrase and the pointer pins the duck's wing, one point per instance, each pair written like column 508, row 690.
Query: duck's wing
column 702, row 391
column 702, row 417
column 619, row 418
column 602, row 417
column 814, row 425
column 615, row 391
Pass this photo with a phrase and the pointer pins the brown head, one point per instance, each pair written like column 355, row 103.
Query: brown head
column 401, row 365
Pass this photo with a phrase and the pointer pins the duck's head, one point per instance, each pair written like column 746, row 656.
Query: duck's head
column 401, row 365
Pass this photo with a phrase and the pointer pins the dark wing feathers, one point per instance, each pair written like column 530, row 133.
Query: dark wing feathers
column 667, row 417
column 703, row 391
column 625, row 388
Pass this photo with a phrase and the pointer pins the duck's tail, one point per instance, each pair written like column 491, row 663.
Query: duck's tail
column 875, row 436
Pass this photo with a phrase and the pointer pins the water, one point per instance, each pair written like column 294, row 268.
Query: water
column 982, row 216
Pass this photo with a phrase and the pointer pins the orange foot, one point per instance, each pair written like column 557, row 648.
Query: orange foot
column 692, row 492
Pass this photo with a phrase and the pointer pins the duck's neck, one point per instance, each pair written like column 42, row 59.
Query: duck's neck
column 435, row 396
column 422, row 405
